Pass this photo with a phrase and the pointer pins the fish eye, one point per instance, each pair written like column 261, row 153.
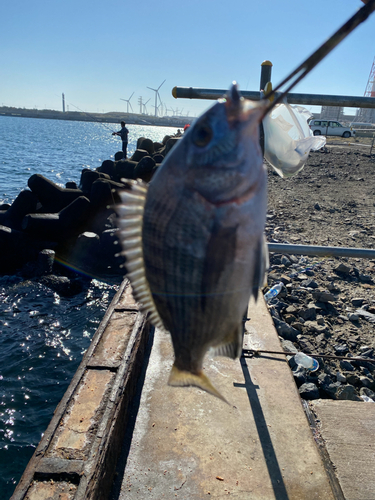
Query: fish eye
column 202, row 134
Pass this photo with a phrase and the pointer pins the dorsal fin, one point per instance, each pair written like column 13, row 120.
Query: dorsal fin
column 130, row 222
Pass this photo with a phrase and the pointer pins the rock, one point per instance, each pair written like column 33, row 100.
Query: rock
column 107, row 167
column 285, row 279
column 288, row 346
column 357, row 301
column 291, row 310
column 323, row 296
column 365, row 278
column 297, row 325
column 341, row 349
column 365, row 391
column 352, row 378
column 308, row 314
column 366, row 314
column 147, row 145
column 53, row 197
column 62, row 285
column 342, row 268
column 309, row 391
column 341, row 378
column 286, row 331
column 346, row 365
column 367, row 382
column 289, row 318
column 353, row 317
column 285, row 261
column 317, row 206
column 310, row 284
column 348, row 392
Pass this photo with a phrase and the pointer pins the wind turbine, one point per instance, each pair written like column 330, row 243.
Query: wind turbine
column 156, row 97
column 128, row 103
column 144, row 108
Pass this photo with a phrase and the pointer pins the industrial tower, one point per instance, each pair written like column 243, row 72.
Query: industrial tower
column 367, row 115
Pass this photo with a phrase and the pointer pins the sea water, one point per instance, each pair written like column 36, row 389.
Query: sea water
column 43, row 335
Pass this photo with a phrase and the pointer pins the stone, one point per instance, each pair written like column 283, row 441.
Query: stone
column 323, row 296
column 288, row 346
column 357, row 301
column 286, row 331
column 353, row 317
column 308, row 314
column 341, row 349
column 367, row 382
column 346, row 365
column 341, row 378
column 365, row 391
column 297, row 325
column 353, row 379
column 342, row 268
column 309, row 391
column 365, row 278
column 285, row 279
column 310, row 284
column 348, row 392
column 289, row 318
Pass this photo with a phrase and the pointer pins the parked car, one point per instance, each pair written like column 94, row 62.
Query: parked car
column 330, row 127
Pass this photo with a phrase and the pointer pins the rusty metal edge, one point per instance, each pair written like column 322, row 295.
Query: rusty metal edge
column 99, row 470
column 31, row 468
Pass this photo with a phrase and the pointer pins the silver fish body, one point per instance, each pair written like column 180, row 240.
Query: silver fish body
column 202, row 243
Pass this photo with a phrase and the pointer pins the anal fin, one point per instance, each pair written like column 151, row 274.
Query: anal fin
column 182, row 378
column 231, row 345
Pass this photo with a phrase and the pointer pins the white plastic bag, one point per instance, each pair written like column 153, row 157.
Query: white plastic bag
column 288, row 139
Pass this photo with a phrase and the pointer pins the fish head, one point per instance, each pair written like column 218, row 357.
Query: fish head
column 223, row 159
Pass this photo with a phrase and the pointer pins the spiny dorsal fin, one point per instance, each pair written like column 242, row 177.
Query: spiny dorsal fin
column 130, row 222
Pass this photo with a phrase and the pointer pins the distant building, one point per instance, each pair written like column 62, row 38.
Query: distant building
column 332, row 113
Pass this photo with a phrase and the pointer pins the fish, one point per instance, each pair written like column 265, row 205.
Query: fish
column 193, row 238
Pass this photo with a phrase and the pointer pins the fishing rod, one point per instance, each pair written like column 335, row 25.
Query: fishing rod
column 304, row 68
column 92, row 116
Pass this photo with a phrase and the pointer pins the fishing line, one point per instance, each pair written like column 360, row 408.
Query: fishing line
column 303, row 69
column 92, row 116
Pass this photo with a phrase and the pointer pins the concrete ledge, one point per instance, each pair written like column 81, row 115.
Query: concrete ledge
column 347, row 429
column 187, row 445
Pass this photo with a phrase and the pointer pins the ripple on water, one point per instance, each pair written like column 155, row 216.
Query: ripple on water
column 42, row 339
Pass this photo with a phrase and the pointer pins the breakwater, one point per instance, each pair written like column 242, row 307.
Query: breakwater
column 75, row 224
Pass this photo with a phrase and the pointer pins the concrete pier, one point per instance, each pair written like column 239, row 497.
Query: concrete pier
column 187, row 445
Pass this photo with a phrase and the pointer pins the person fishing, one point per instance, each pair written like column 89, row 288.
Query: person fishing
column 123, row 133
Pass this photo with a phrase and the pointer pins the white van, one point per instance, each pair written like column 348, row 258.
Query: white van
column 330, row 127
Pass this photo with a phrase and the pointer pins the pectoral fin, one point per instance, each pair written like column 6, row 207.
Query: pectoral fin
column 181, row 378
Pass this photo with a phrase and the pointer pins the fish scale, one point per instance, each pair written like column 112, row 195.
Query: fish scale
column 202, row 247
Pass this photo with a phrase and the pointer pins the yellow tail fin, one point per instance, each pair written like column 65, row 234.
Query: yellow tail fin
column 180, row 378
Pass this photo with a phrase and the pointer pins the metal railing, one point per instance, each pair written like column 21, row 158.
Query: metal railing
column 293, row 98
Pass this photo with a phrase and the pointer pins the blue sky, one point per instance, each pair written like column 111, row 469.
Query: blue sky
column 98, row 52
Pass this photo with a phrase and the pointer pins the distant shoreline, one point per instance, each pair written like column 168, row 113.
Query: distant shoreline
column 113, row 117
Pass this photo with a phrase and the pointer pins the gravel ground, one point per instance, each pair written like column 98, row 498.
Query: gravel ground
column 327, row 305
